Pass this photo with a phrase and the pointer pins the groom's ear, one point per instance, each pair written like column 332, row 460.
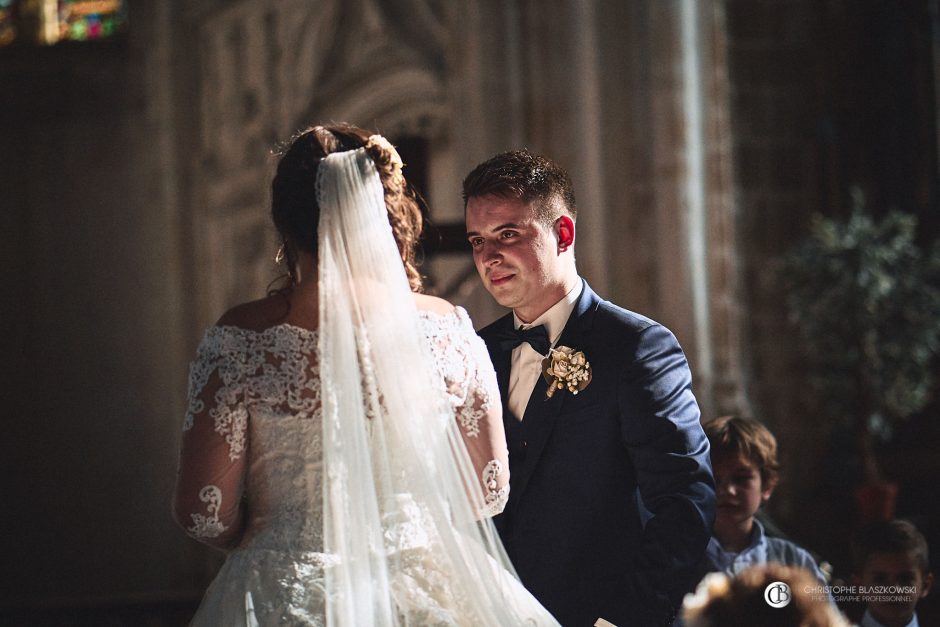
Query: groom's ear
column 564, row 229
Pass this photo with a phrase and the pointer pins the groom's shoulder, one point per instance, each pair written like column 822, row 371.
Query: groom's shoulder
column 629, row 332
column 492, row 328
column 608, row 316
column 612, row 315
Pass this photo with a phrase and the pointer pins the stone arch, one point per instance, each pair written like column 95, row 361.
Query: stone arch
column 406, row 99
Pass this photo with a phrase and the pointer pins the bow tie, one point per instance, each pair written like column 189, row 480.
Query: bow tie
column 537, row 337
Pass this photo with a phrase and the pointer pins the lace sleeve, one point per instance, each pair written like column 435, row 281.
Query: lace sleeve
column 207, row 501
column 480, row 416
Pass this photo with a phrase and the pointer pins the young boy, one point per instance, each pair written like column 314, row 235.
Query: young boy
column 891, row 562
column 744, row 462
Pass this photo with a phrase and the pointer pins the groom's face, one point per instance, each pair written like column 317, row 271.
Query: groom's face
column 515, row 254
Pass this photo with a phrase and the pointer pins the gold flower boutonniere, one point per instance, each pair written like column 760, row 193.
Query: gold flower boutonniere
column 564, row 367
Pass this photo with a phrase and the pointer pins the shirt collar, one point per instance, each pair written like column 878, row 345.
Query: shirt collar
column 757, row 537
column 557, row 315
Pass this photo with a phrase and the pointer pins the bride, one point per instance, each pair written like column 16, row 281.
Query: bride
column 344, row 443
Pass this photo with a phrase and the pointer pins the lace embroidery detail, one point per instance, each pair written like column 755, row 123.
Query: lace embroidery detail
column 251, row 368
column 496, row 498
column 457, row 353
column 272, row 377
column 232, row 425
column 370, row 388
column 470, row 415
column 208, row 526
column 199, row 372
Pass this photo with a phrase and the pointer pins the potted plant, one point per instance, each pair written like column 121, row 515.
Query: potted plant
column 866, row 300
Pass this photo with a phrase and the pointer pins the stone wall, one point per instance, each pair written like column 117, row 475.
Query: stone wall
column 94, row 353
column 135, row 179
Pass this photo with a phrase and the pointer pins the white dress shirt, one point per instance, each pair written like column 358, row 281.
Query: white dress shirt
column 526, row 364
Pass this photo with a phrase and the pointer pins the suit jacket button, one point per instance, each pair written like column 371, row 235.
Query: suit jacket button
column 524, row 444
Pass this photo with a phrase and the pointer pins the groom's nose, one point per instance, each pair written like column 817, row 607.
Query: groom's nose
column 491, row 255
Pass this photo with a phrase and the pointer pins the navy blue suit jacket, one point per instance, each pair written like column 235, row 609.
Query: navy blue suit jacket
column 611, row 496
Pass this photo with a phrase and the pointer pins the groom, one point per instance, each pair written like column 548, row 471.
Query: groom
column 612, row 499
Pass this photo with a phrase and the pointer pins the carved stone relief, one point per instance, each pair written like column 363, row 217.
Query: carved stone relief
column 269, row 69
column 475, row 78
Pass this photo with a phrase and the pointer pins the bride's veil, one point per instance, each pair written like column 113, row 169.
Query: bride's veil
column 400, row 500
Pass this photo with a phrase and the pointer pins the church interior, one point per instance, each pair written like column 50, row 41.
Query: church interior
column 704, row 141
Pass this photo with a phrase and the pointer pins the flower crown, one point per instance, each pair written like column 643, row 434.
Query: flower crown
column 378, row 141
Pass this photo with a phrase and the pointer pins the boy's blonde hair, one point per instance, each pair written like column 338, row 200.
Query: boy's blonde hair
column 735, row 435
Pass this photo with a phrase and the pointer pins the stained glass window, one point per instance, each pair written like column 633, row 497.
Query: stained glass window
column 90, row 19
column 8, row 28
column 47, row 22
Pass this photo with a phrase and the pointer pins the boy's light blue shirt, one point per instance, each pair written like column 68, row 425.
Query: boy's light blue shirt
column 869, row 621
column 761, row 550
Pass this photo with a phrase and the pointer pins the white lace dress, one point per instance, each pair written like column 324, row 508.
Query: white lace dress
column 251, row 459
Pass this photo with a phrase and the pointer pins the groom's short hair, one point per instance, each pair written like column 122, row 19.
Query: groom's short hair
column 527, row 176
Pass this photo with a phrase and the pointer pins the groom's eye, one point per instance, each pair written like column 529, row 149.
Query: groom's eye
column 476, row 242
column 507, row 234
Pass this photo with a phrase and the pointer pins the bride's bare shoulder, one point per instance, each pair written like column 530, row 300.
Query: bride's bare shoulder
column 434, row 304
column 257, row 315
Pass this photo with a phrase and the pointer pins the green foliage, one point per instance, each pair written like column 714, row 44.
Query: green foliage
column 866, row 300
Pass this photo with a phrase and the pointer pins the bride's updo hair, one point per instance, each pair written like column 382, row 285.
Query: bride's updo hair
column 294, row 206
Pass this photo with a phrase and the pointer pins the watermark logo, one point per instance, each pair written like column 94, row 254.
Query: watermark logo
column 777, row 594
column 861, row 594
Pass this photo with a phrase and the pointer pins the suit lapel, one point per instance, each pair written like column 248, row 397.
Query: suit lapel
column 541, row 413
column 502, row 360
